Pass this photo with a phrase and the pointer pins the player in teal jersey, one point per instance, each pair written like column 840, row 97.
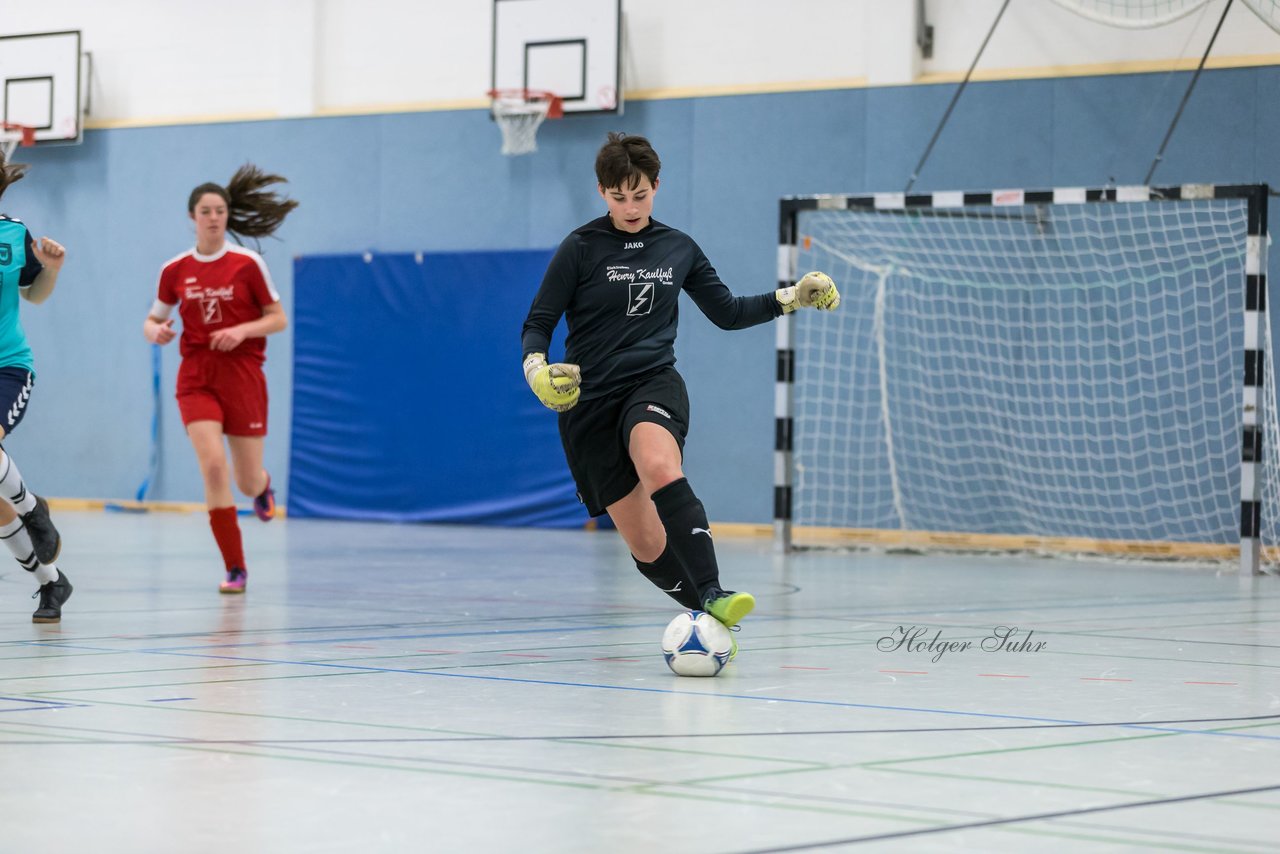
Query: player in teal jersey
column 28, row 268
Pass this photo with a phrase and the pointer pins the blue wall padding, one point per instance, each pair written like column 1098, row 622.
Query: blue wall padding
column 408, row 401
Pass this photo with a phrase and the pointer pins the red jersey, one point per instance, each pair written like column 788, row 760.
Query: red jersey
column 217, row 291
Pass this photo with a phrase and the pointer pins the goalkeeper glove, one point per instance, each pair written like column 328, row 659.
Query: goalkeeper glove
column 555, row 385
column 815, row 290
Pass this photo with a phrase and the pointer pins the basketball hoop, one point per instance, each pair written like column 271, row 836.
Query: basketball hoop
column 519, row 113
column 11, row 136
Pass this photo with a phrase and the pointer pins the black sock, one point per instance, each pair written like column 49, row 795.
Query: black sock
column 669, row 576
column 688, row 535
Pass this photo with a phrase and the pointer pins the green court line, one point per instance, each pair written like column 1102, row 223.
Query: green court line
column 500, row 625
column 973, row 814
column 312, row 661
column 644, row 789
column 748, row 799
column 735, row 777
column 876, row 763
column 1160, row 845
column 197, row 682
column 327, row 660
column 1056, row 834
column 566, row 739
column 163, row 740
column 383, row 766
column 883, row 765
column 133, row 672
column 753, row 801
column 398, row 656
column 646, row 748
column 60, row 655
column 1015, row 781
column 1101, row 790
column 70, row 739
column 179, row 744
column 979, row 778
column 585, row 786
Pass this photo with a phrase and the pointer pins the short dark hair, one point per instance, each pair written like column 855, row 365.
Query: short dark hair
column 625, row 160
column 252, row 211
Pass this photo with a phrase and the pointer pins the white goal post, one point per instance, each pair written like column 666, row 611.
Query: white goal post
column 1065, row 370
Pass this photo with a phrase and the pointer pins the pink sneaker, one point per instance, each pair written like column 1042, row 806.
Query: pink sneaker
column 237, row 580
column 265, row 504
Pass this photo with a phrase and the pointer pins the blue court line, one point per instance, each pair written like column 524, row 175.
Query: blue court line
column 669, row 691
column 33, row 704
column 58, row 703
column 45, row 709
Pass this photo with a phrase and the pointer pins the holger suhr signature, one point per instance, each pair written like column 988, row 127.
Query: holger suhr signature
column 918, row 639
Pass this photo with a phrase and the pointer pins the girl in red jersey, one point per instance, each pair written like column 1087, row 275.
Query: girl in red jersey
column 228, row 306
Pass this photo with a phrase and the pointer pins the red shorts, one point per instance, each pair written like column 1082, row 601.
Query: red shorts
column 231, row 390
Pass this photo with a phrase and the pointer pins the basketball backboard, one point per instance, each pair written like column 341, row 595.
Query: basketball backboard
column 40, row 84
column 571, row 48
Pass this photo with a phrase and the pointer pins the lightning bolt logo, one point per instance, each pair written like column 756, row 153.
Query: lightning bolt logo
column 641, row 299
column 212, row 310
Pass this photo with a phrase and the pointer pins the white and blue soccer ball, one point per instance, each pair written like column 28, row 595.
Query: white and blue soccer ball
column 696, row 644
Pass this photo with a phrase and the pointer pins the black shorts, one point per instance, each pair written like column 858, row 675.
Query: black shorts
column 595, row 435
column 15, row 391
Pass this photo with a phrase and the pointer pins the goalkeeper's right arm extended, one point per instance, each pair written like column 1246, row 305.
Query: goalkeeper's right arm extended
column 555, row 385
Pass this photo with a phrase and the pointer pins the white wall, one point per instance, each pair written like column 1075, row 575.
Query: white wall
column 1040, row 34
column 159, row 61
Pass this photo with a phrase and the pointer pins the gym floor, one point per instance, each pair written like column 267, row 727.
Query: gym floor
column 428, row 688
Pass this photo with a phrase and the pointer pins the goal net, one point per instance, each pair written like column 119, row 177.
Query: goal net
column 1057, row 370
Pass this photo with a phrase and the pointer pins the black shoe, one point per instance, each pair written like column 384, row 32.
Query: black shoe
column 52, row 597
column 44, row 537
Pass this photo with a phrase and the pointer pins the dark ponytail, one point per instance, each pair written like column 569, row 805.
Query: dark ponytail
column 252, row 210
column 10, row 173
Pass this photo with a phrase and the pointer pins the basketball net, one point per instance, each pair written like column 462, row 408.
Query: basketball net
column 519, row 113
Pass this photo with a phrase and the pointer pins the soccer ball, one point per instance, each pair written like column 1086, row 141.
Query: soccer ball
column 696, row 644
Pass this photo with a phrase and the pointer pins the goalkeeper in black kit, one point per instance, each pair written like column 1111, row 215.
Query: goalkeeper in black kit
column 624, row 411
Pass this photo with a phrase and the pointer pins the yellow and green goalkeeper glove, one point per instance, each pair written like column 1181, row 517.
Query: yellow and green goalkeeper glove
column 815, row 290
column 555, row 385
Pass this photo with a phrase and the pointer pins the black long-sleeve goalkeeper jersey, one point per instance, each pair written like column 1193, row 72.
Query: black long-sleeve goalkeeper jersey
column 620, row 295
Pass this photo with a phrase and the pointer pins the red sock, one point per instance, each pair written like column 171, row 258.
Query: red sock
column 226, row 530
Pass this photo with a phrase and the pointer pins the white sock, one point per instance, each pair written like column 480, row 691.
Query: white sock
column 15, row 536
column 12, row 489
